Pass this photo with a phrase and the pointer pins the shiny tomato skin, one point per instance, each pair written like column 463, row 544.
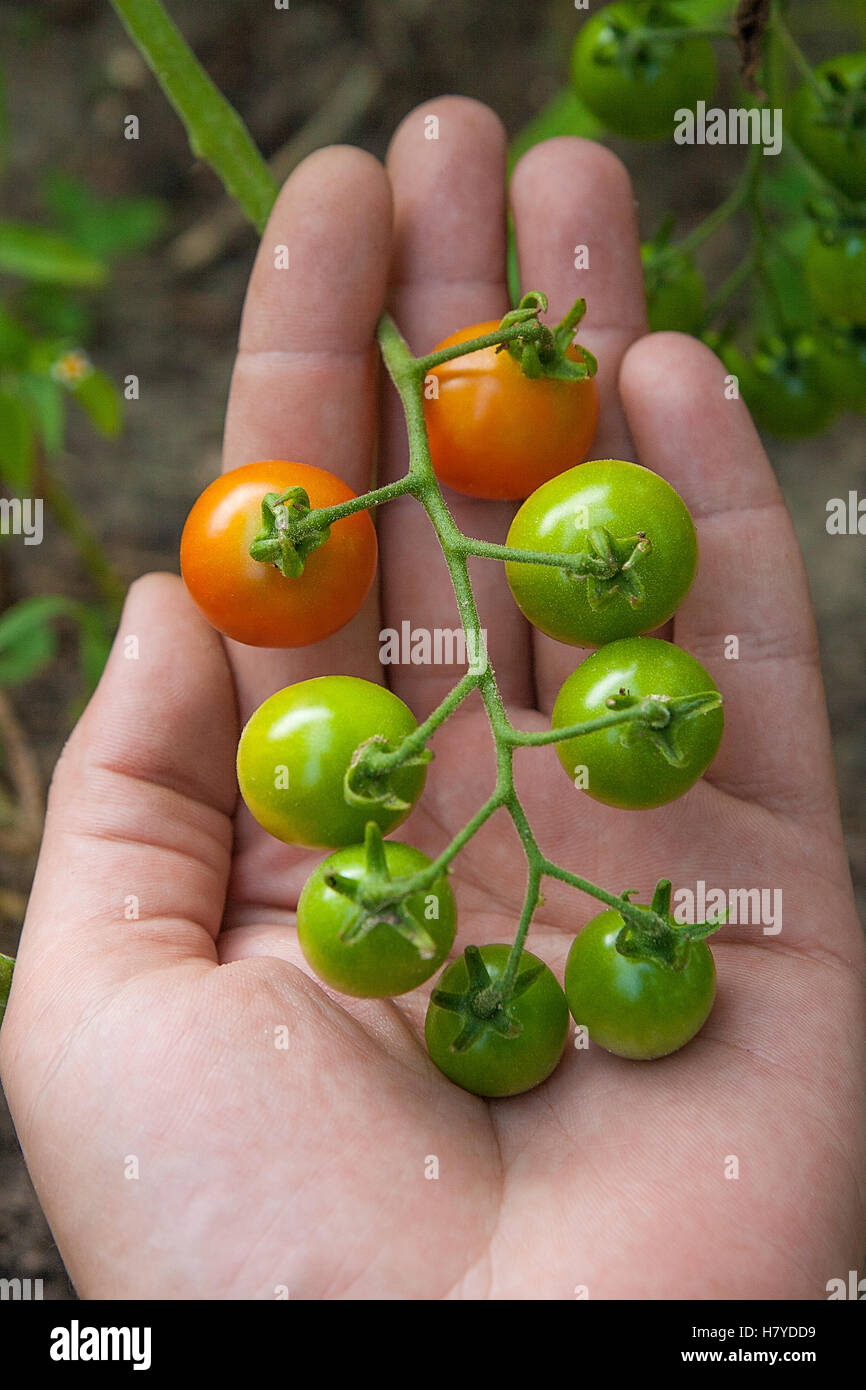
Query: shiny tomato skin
column 636, row 1008
column 636, row 777
column 251, row 601
column 836, row 276
column 499, row 434
column 294, row 752
column 495, row 1066
column 381, row 963
column 625, row 498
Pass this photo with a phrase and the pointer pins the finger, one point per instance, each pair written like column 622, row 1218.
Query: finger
column 448, row 272
column 748, row 617
column 135, row 856
column 304, row 383
column 574, row 205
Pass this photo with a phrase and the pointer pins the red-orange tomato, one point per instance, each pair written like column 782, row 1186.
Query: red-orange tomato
column 252, row 601
column 497, row 433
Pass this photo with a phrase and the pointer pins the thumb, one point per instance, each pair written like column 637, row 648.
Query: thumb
column 137, row 844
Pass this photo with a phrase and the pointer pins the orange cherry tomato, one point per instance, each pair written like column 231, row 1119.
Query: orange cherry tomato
column 252, row 601
column 497, row 433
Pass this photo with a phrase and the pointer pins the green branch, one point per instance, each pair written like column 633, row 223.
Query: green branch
column 216, row 132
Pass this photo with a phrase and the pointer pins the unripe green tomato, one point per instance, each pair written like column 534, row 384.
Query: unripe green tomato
column 837, row 150
column 836, row 275
column 675, row 292
column 296, row 748
column 626, row 499
column 842, row 363
column 635, row 776
column 636, row 1008
column 381, row 963
column 640, row 99
column 494, row 1065
column 786, row 393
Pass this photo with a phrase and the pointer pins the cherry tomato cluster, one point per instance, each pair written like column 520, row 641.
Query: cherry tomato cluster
column 276, row 553
column 637, row 66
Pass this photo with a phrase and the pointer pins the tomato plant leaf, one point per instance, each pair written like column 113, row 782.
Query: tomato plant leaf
column 16, row 443
column 100, row 398
column 28, row 640
column 106, row 227
column 38, row 254
column 43, row 400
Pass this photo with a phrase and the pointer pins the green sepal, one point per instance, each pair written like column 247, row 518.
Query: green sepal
column 621, row 557
column 278, row 543
column 481, row 1006
column 363, row 785
column 662, row 719
column 379, row 899
column 651, row 934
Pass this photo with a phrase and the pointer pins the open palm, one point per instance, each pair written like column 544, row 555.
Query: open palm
column 200, row 1117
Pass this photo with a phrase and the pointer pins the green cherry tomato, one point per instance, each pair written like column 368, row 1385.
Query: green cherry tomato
column 836, row 274
column 635, row 85
column 560, row 517
column 636, row 1008
column 494, row 1065
column 635, row 775
column 783, row 385
column 675, row 292
column 842, row 362
column 381, row 961
column 295, row 750
column 829, row 123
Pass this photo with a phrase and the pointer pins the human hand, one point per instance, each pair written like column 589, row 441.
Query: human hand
column 147, row 1045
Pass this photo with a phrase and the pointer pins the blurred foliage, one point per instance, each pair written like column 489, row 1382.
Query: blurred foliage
column 49, row 274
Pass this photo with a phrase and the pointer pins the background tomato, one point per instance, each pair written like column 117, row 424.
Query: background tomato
column 626, row 499
column 838, row 150
column 783, row 385
column 381, row 962
column 294, row 752
column 639, row 97
column 836, row 275
column 494, row 1065
column 497, row 433
column 253, row 602
column 639, row 775
column 675, row 291
column 842, row 363
column 636, row 1008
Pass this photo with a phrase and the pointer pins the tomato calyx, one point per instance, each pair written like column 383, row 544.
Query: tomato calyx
column 281, row 541
column 368, row 777
column 484, row 1006
column 843, row 103
column 621, row 558
column 638, row 51
column 380, row 899
column 659, row 719
column 546, row 353
column 651, row 934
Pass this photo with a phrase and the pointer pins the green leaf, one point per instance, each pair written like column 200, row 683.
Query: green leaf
column 57, row 310
column 564, row 114
column 14, row 341
column 38, row 254
column 106, row 227
column 704, row 12
column 28, row 640
column 7, row 964
column 16, row 443
column 100, row 398
column 44, row 402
